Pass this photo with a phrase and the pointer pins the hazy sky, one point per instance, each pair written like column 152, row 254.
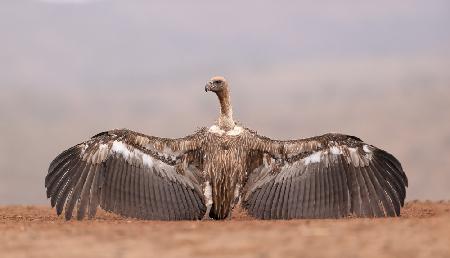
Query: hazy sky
column 375, row 69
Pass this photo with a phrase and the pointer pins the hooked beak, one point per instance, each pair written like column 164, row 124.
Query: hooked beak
column 208, row 87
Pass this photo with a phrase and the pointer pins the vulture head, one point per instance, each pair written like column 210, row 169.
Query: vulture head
column 216, row 84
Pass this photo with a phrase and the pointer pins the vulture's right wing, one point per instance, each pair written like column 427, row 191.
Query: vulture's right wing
column 130, row 174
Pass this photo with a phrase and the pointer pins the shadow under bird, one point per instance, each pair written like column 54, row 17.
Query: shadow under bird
column 204, row 175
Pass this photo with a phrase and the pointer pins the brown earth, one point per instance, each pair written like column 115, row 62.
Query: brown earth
column 33, row 231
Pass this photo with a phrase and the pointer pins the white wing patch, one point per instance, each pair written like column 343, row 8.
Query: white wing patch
column 313, row 158
column 147, row 160
column 335, row 150
column 366, row 148
column 134, row 156
column 120, row 148
column 351, row 155
column 130, row 154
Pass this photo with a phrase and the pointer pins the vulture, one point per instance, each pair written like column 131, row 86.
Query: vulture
column 206, row 174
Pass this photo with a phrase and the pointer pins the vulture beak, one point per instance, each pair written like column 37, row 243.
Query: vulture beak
column 208, row 87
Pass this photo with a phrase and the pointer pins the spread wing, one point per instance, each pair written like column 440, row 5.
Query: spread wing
column 329, row 176
column 130, row 174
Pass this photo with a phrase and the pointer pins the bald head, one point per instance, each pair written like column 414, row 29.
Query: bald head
column 216, row 84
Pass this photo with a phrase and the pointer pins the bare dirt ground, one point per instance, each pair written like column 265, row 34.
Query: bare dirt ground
column 34, row 231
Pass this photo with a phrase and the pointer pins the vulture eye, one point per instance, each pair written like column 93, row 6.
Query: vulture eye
column 217, row 82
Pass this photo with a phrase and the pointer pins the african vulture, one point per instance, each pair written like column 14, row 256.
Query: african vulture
column 205, row 174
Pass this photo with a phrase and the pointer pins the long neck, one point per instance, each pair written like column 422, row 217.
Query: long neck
column 226, row 121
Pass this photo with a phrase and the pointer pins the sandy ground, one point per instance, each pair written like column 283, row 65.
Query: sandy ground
column 34, row 231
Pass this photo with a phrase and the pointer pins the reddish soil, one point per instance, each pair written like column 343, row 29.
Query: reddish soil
column 33, row 231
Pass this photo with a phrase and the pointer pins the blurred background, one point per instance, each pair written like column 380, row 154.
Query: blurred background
column 69, row 69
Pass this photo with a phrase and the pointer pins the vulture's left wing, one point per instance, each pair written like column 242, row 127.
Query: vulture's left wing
column 130, row 174
column 329, row 176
